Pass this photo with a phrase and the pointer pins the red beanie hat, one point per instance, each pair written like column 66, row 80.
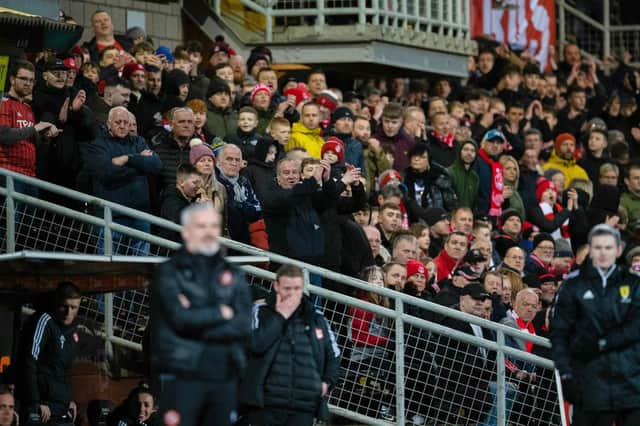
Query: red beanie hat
column 300, row 92
column 333, row 144
column 259, row 88
column 387, row 176
column 417, row 267
column 562, row 137
column 328, row 99
column 542, row 185
column 130, row 68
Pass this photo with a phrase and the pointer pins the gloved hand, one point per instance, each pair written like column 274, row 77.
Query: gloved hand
column 570, row 389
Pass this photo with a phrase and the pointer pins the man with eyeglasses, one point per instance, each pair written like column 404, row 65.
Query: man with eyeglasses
column 540, row 260
column 489, row 170
column 19, row 132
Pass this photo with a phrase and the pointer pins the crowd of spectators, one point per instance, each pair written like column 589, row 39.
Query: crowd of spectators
column 475, row 193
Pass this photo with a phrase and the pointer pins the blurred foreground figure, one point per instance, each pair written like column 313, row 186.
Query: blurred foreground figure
column 200, row 316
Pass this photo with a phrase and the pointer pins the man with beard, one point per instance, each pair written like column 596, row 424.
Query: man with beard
column 200, row 317
column 540, row 260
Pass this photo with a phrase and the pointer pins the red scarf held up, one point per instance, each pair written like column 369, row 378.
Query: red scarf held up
column 497, row 184
column 530, row 328
column 445, row 139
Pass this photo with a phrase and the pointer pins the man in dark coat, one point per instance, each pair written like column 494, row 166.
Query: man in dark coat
column 595, row 337
column 200, row 317
column 293, row 357
column 120, row 166
column 104, row 36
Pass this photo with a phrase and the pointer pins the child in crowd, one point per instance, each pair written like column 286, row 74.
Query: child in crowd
column 333, row 152
column 308, row 167
column 280, row 130
column 245, row 135
column 261, row 169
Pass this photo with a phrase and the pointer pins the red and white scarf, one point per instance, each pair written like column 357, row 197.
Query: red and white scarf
column 447, row 139
column 497, row 184
column 525, row 327
column 549, row 213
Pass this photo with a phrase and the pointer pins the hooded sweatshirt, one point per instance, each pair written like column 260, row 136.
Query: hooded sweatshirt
column 465, row 182
column 569, row 168
column 308, row 139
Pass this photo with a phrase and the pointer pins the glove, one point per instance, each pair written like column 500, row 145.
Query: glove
column 570, row 389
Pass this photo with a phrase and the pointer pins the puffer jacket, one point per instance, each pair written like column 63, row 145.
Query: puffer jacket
column 438, row 188
column 221, row 122
column 308, row 139
column 465, row 181
column 569, row 168
column 289, row 359
column 595, row 337
column 196, row 342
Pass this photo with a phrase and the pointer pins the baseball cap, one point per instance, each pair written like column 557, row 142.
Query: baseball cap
column 476, row 291
column 494, row 134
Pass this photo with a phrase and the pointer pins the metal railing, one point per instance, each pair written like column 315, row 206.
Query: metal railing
column 423, row 370
column 598, row 39
column 442, row 17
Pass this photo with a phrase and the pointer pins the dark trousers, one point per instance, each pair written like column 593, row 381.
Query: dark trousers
column 606, row 418
column 273, row 417
column 198, row 402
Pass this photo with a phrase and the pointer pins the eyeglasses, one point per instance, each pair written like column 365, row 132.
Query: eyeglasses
column 516, row 257
column 26, row 80
column 546, row 248
column 58, row 74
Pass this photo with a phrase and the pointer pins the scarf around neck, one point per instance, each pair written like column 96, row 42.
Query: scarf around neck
column 523, row 326
column 239, row 194
column 445, row 139
column 497, row 184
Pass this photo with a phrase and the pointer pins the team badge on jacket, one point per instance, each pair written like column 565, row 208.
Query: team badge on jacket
column 226, row 278
column 624, row 293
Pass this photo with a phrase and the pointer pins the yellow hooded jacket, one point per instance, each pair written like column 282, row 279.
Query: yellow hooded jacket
column 569, row 168
column 308, row 139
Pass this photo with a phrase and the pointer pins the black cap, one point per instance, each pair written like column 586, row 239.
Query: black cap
column 55, row 65
column 218, row 85
column 342, row 112
column 542, row 236
column 509, row 213
column 435, row 215
column 532, row 281
column 476, row 291
column 474, row 256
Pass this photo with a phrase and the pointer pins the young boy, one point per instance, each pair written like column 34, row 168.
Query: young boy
column 245, row 135
column 188, row 181
column 221, row 118
column 308, row 167
column 280, row 130
column 261, row 169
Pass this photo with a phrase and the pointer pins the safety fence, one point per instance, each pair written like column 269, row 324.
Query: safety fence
column 597, row 36
column 395, row 368
column 439, row 17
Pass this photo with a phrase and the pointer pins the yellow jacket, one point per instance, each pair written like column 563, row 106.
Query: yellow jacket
column 308, row 139
column 569, row 168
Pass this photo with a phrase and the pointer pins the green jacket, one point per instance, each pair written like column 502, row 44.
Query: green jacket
column 465, row 182
column 375, row 164
column 221, row 122
column 515, row 201
column 631, row 202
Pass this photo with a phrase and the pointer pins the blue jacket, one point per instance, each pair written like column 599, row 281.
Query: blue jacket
column 128, row 184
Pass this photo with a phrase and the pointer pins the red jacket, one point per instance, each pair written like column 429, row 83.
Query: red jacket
column 445, row 265
column 17, row 152
column 360, row 323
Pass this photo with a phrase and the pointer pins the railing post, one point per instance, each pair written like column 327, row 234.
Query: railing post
column 268, row 23
column 561, row 27
column 362, row 16
column 107, row 248
column 606, row 18
column 320, row 19
column 11, row 216
column 501, row 385
column 216, row 7
column 307, row 280
column 400, row 340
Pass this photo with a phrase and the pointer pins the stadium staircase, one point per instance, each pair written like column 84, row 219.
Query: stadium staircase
column 60, row 231
column 418, row 35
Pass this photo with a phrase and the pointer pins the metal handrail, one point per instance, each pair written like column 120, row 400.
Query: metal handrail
column 237, row 246
column 397, row 313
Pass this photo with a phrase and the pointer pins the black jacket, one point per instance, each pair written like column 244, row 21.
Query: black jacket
column 438, row 190
column 289, row 358
column 47, row 351
column 246, row 141
column 196, row 342
column 171, row 155
column 595, row 336
column 149, row 114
